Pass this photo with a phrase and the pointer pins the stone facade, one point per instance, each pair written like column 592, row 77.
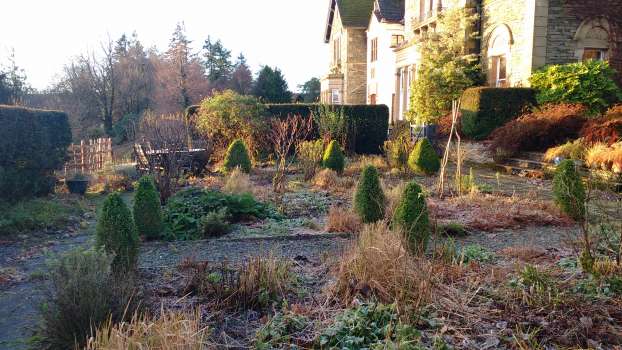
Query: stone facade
column 516, row 17
column 355, row 72
column 562, row 27
column 347, row 75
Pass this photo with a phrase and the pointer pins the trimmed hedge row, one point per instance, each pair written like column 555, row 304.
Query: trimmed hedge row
column 368, row 124
column 33, row 143
column 484, row 109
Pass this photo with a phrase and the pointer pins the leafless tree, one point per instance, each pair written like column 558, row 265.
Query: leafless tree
column 286, row 135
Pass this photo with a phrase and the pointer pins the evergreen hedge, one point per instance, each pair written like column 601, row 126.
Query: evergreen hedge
column 237, row 156
column 368, row 125
column 147, row 209
column 333, row 157
column 411, row 215
column 367, row 129
column 568, row 190
column 423, row 158
column 33, row 143
column 485, row 109
column 116, row 233
column 369, row 198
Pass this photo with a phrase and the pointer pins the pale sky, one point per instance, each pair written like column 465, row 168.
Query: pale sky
column 46, row 34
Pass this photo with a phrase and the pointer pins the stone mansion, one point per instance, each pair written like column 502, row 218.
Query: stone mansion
column 374, row 56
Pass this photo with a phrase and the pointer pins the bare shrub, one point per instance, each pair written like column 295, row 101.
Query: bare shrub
column 286, row 136
column 238, row 182
column 487, row 213
column 380, row 266
column 165, row 139
column 170, row 331
column 342, row 220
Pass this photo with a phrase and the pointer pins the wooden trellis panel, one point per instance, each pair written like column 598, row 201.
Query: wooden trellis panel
column 89, row 156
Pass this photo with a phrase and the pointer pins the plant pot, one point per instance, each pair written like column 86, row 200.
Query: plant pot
column 77, row 186
column 430, row 131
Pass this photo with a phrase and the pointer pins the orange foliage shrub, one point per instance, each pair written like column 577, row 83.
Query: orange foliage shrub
column 550, row 126
column 607, row 129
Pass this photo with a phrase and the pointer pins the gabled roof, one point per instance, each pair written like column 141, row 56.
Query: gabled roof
column 390, row 10
column 354, row 13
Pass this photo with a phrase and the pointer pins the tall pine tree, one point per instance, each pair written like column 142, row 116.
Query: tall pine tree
column 180, row 55
column 271, row 86
column 217, row 61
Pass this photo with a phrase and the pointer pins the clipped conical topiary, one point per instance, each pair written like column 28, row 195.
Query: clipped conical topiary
column 369, row 198
column 568, row 190
column 237, row 156
column 116, row 233
column 333, row 157
column 423, row 158
column 147, row 209
column 411, row 216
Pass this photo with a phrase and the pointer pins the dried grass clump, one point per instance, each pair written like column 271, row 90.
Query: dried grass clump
column 255, row 284
column 326, row 179
column 378, row 265
column 329, row 180
column 601, row 156
column 571, row 150
column 483, row 212
column 171, row 331
column 356, row 167
column 342, row 220
column 393, row 196
column 238, row 182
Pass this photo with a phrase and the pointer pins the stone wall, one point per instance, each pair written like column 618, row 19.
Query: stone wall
column 562, row 27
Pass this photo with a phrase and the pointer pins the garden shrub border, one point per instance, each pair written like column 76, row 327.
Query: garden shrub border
column 368, row 124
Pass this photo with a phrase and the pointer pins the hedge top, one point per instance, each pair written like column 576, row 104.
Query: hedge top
column 367, row 124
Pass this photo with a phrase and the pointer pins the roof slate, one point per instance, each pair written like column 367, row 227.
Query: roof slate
column 355, row 13
column 390, row 10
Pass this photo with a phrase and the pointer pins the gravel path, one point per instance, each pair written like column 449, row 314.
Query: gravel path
column 21, row 297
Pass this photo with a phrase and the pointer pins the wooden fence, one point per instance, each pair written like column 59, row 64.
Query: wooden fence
column 89, row 156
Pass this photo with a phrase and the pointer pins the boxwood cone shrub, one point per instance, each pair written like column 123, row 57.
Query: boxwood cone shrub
column 147, row 209
column 369, row 198
column 333, row 157
column 237, row 156
column 568, row 190
column 423, row 158
column 411, row 216
column 116, row 233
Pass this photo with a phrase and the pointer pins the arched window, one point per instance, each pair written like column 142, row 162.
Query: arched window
column 593, row 40
column 499, row 54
